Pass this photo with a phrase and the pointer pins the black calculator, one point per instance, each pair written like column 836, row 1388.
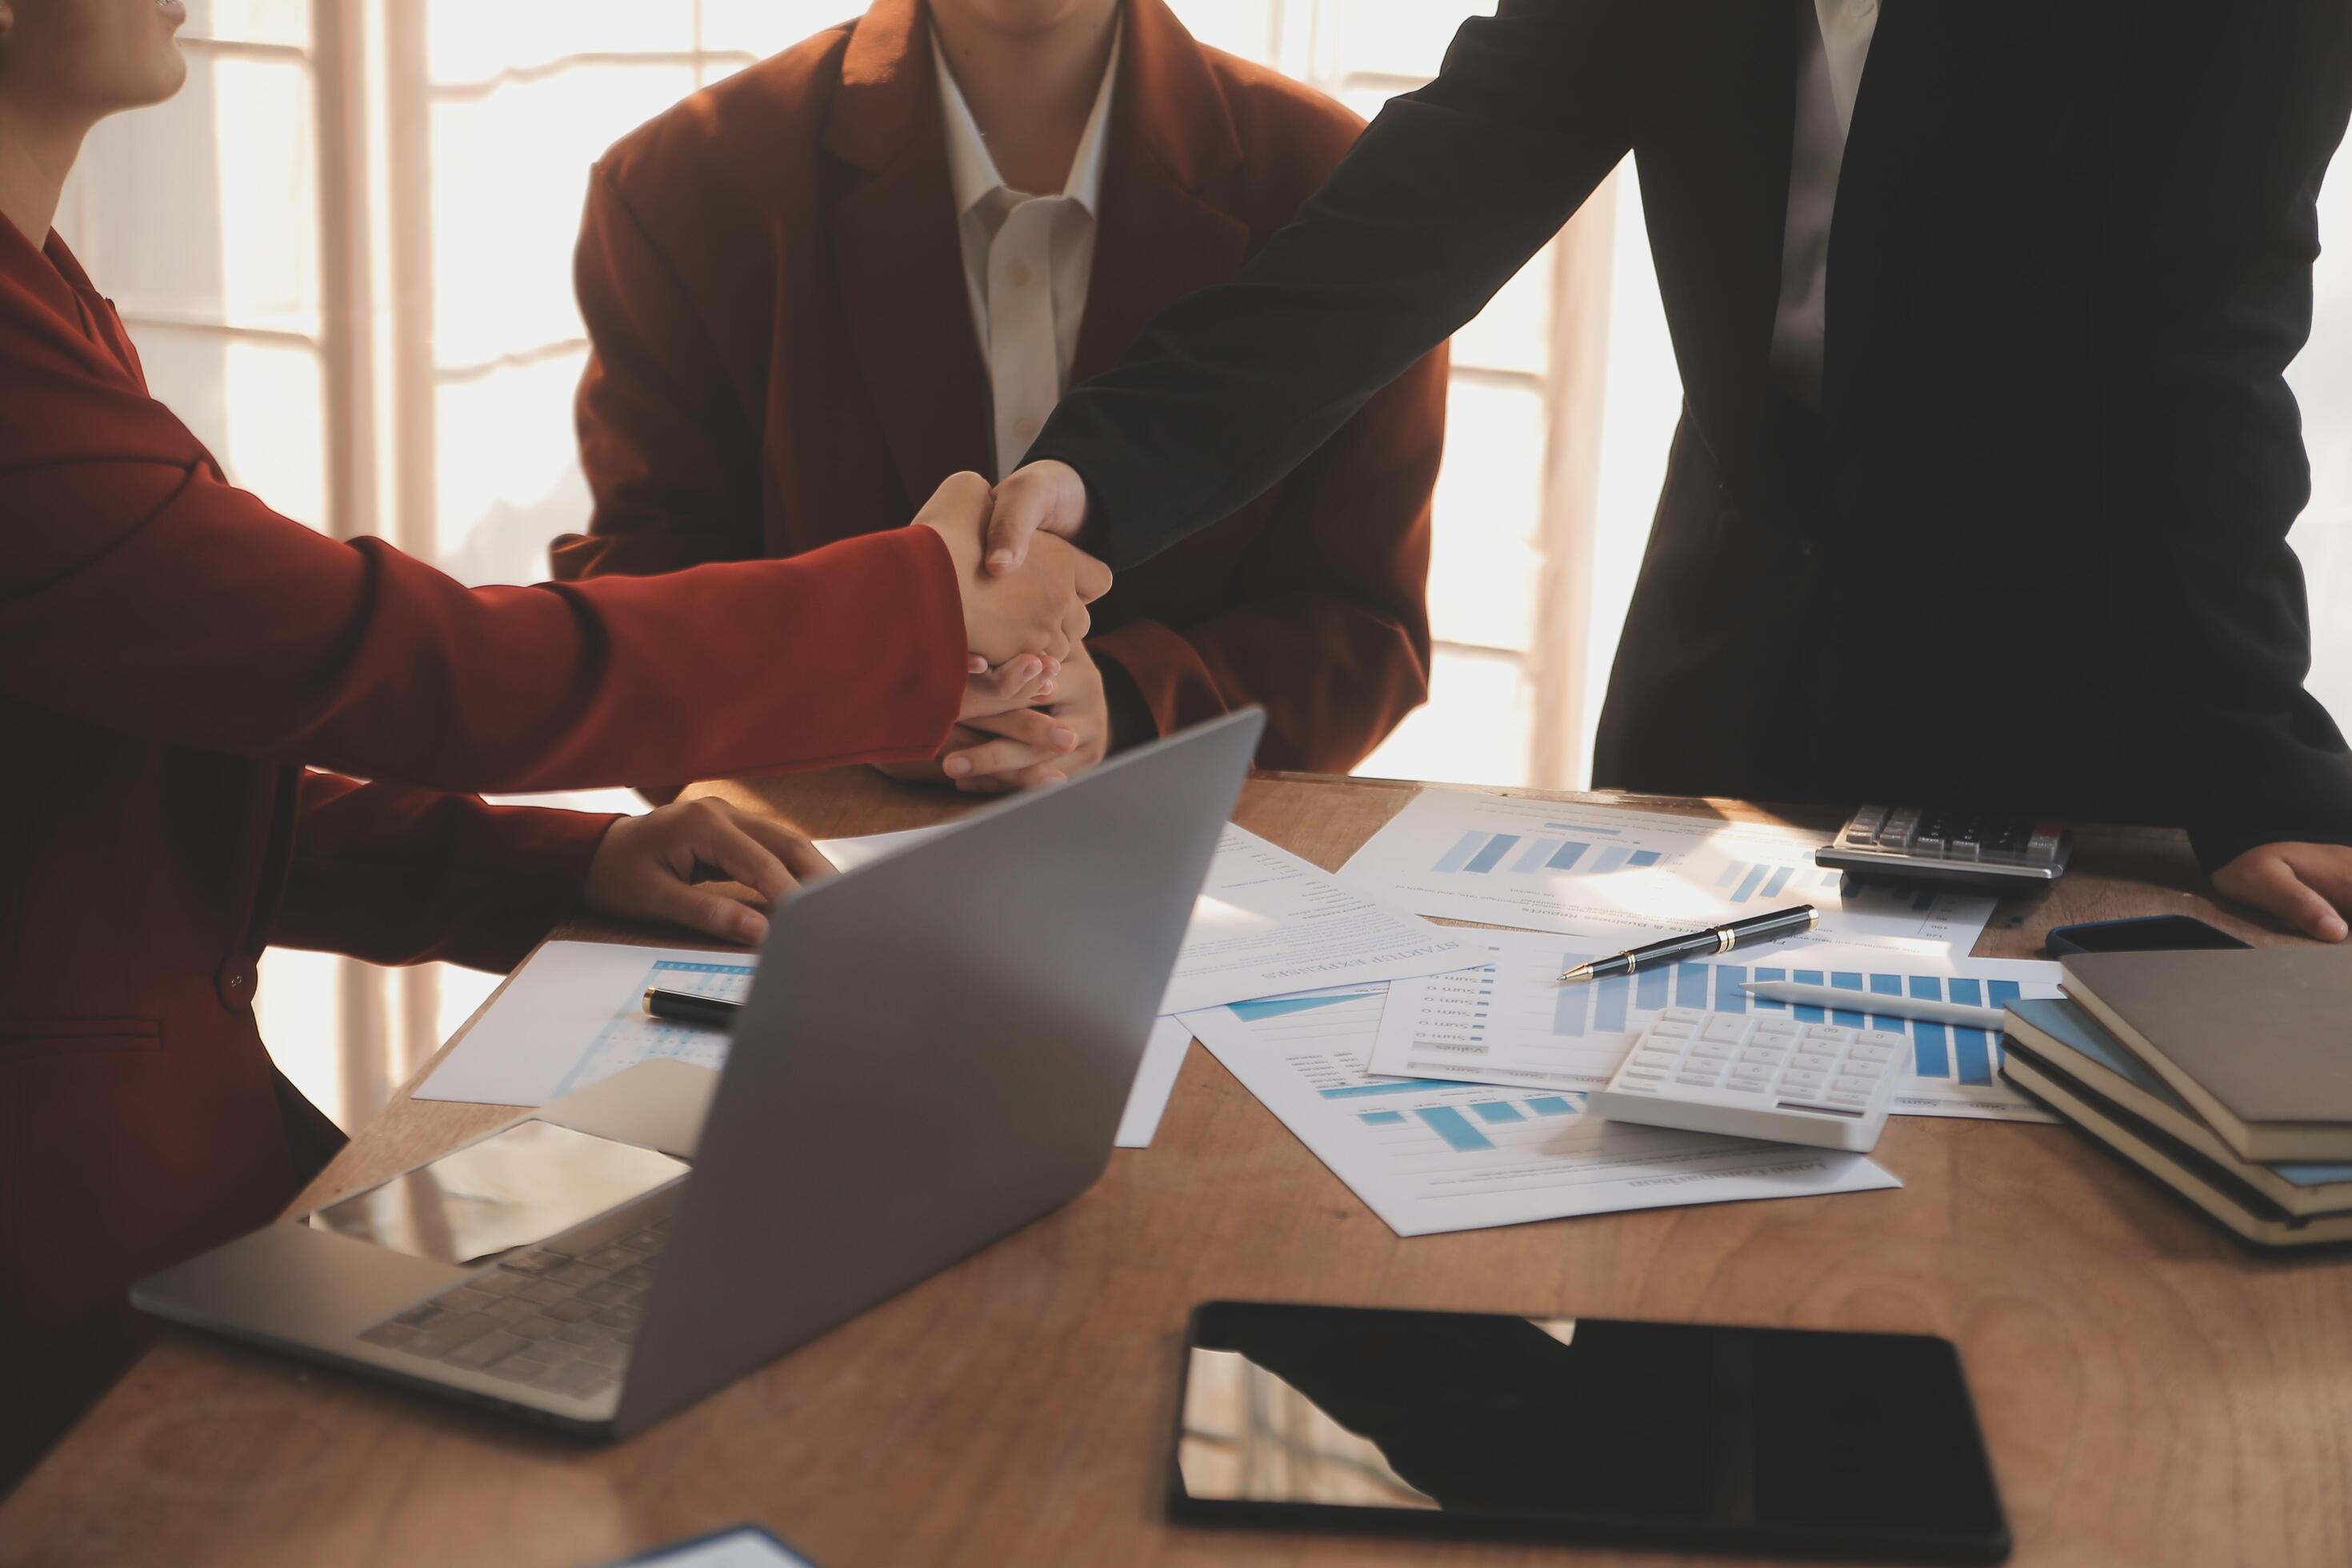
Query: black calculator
column 1922, row 843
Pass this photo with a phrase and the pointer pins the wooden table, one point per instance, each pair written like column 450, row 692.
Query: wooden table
column 2151, row 1392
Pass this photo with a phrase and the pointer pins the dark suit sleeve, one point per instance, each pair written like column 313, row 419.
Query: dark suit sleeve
column 673, row 469
column 1446, row 194
column 1330, row 635
column 2220, row 129
column 396, row 875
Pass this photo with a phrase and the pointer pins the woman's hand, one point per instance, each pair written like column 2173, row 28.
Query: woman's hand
column 651, row 868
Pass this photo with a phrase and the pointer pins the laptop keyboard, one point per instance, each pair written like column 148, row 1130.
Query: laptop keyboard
column 559, row 1317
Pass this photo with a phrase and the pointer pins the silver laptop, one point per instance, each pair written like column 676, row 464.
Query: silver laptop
column 936, row 1050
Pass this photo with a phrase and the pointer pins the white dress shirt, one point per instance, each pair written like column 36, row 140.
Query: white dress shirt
column 1025, row 262
column 1832, row 43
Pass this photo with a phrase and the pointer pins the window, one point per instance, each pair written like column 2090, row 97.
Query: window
column 344, row 252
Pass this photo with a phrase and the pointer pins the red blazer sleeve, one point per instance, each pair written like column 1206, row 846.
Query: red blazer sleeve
column 1331, row 632
column 140, row 593
column 396, row 875
column 673, row 467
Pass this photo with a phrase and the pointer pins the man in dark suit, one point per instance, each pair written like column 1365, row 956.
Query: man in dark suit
column 1981, row 490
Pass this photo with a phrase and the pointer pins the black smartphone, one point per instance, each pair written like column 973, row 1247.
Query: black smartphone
column 1785, row 1441
column 2142, row 934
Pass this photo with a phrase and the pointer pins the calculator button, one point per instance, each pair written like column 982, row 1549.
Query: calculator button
column 1707, row 1050
column 1902, row 828
column 1869, row 1071
column 1749, row 1085
column 1852, row 1085
column 1726, row 1031
column 1860, row 1100
column 1871, row 1053
column 1701, row 1081
column 1797, row 1079
column 1672, row 1031
column 1762, row 1054
column 1655, row 1058
column 1882, row 1038
column 2043, row 847
column 1681, row 1016
column 1833, row 1033
column 1811, row 1062
column 1640, row 1085
column 1642, row 1074
column 1776, row 1029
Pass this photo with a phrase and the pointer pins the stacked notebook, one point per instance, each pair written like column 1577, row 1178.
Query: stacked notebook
column 2225, row 1075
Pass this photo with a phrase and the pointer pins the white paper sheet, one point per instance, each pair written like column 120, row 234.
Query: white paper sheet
column 1429, row 1157
column 1265, row 922
column 1512, row 1022
column 574, row 1015
column 1505, row 860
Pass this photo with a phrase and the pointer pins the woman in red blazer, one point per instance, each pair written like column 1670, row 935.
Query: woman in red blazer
column 172, row 654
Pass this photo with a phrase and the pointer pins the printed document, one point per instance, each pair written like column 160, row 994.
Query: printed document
column 1430, row 1156
column 1511, row 1021
column 574, row 1015
column 1546, row 866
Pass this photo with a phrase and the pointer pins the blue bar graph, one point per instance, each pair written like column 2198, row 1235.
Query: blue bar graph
column 1609, row 1003
column 1498, row 1111
column 1533, row 854
column 1608, row 859
column 1690, row 984
column 1766, row 1004
column 1966, row 991
column 1731, row 873
column 1383, row 1118
column 1568, row 1008
column 1728, row 997
column 1566, row 855
column 1928, row 1049
column 1643, row 857
column 1887, row 985
column 1453, row 859
column 1806, row 1012
column 1650, row 990
column 1487, row 860
column 1550, row 1105
column 1748, row 884
column 1972, row 1055
column 2000, row 993
column 1451, row 1125
column 1846, row 980
column 1779, row 879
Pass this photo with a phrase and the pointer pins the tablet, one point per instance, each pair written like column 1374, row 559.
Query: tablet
column 1785, row 1441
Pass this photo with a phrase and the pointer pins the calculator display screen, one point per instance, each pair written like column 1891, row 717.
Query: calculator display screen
column 1582, row 1429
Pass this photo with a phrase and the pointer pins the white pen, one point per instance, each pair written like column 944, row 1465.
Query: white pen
column 1885, row 1006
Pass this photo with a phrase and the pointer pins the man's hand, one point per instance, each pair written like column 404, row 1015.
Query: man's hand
column 1043, row 745
column 648, row 868
column 2309, row 886
column 1042, row 610
column 1043, row 497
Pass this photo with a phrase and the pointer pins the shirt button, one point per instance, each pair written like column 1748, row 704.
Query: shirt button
column 1018, row 273
column 1024, row 429
column 236, row 980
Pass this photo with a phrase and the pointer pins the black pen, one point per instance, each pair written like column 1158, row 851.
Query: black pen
column 1714, row 939
column 686, row 1007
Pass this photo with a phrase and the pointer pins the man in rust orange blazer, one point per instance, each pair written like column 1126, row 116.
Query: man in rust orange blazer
column 818, row 288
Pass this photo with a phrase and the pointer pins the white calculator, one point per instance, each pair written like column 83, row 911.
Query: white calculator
column 1758, row 1075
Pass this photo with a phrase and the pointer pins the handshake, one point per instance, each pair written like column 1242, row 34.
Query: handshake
column 1035, row 706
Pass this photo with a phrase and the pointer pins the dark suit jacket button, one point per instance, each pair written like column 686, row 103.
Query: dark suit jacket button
column 236, row 980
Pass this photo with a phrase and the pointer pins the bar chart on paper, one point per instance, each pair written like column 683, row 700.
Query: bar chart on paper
column 632, row 1036
column 1557, row 867
column 1431, row 1156
column 1513, row 1022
